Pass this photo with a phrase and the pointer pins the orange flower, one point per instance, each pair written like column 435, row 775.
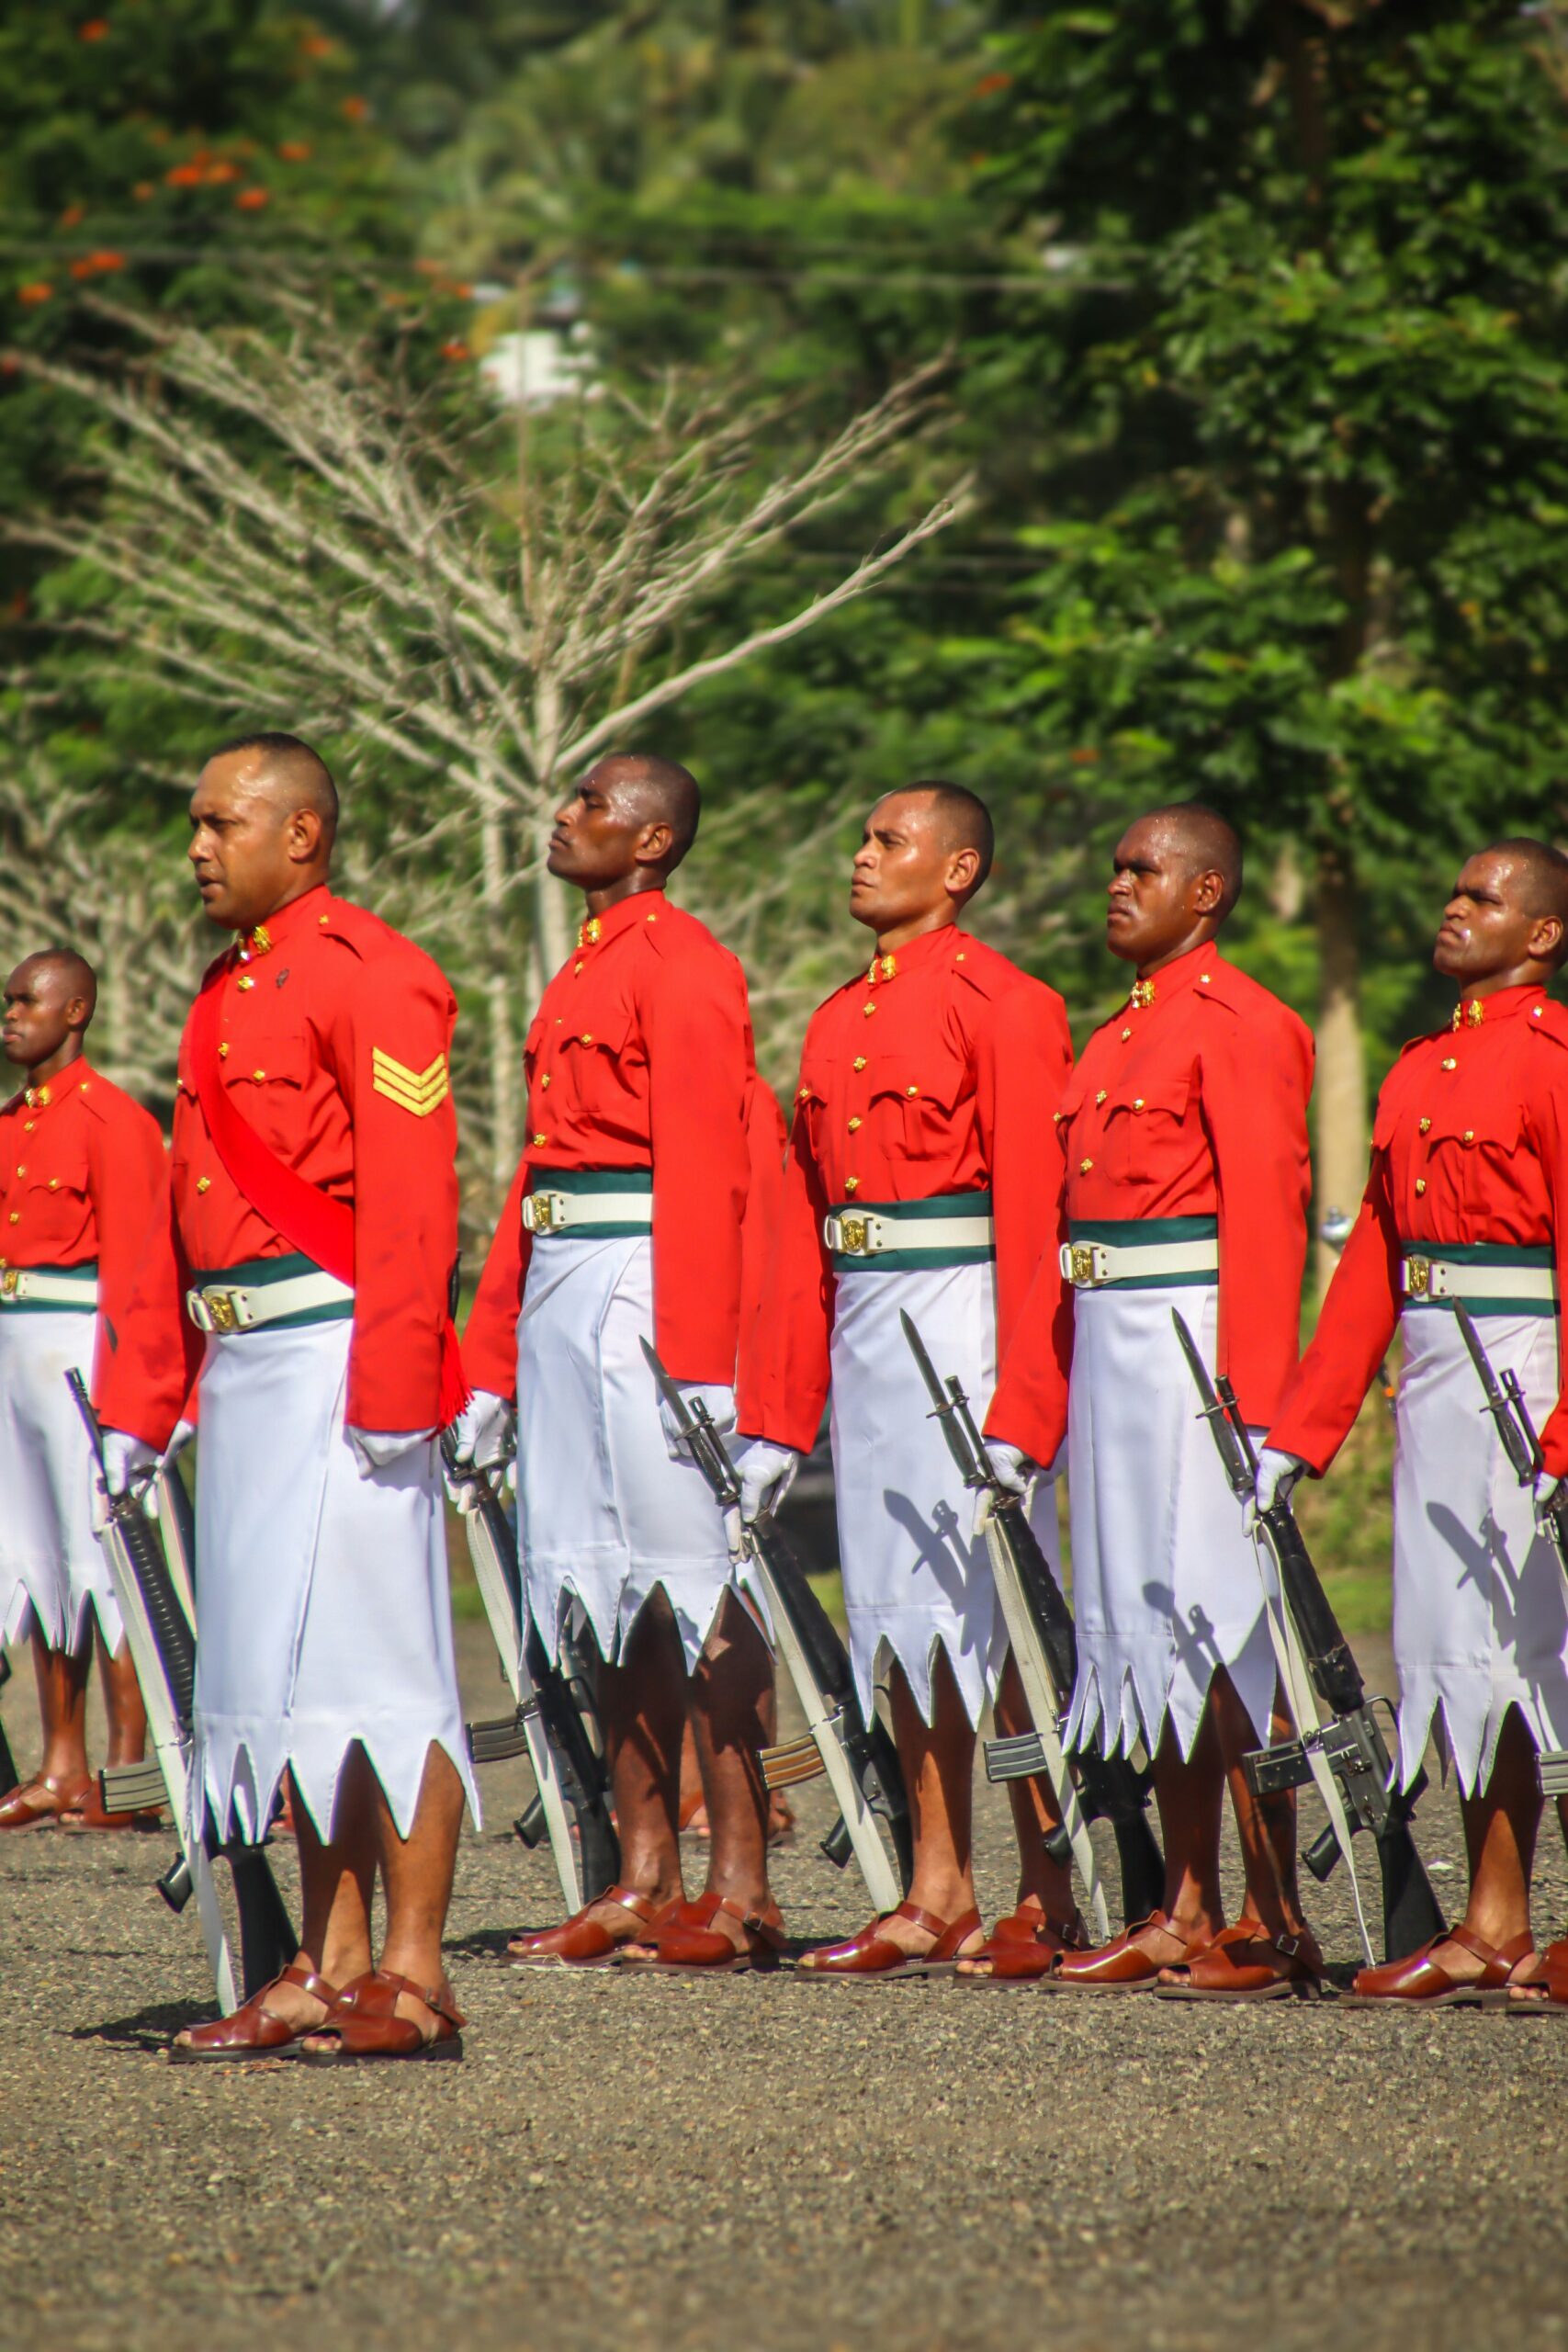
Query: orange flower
column 990, row 84
column 1086, row 758
column 73, row 214
column 184, row 175
column 355, row 110
column 38, row 291
column 95, row 28
column 83, row 268
column 106, row 261
column 251, row 200
column 142, row 190
column 18, row 604
column 295, row 150
column 456, row 349
column 316, row 45
column 220, row 173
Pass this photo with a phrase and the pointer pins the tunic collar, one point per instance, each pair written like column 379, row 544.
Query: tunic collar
column 1189, row 971
column 56, row 1089
column 926, row 947
column 642, row 907
column 1475, row 1012
column 310, row 911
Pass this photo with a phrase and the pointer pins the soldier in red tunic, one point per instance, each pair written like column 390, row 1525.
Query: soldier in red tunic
column 918, row 1179
column 1181, row 1160
column 1467, row 1200
column 300, row 1282
column 627, row 1218
column 80, row 1167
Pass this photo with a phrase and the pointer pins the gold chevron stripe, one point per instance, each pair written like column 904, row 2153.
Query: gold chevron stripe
column 416, row 1091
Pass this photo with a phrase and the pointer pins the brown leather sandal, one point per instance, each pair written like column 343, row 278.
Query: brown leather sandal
column 362, row 2023
column 91, row 1813
column 1023, row 1948
column 1130, row 1962
column 255, row 2030
column 39, row 1802
column 1420, row 1981
column 583, row 1941
column 871, row 1954
column 1245, row 1962
column 688, row 1940
column 1544, row 1994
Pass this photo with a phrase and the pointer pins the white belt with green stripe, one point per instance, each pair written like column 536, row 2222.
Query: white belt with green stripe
column 953, row 1229
column 594, row 1203
column 75, row 1286
column 1497, row 1277
column 1142, row 1253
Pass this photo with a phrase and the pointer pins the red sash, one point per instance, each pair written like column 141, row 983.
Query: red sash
column 318, row 1228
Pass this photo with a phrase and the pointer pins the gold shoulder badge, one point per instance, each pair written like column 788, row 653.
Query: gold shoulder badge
column 416, row 1091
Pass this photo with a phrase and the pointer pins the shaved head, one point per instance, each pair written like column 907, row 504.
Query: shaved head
column 290, row 773
column 73, row 972
column 656, row 791
column 1209, row 844
column 1541, row 874
column 964, row 820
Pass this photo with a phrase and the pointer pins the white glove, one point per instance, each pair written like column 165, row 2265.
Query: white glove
column 126, row 1460
column 1547, row 1488
column 1276, row 1475
column 1015, row 1469
column 486, row 1431
column 720, row 1403
column 378, row 1449
column 766, row 1473
column 184, row 1432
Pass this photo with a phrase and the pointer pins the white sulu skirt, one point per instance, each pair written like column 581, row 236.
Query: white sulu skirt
column 1479, row 1623
column 50, row 1561
column 606, row 1516
column 323, row 1612
column 916, row 1576
column 1167, row 1586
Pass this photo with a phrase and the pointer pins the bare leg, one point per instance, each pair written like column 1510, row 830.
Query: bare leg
column 1267, row 1827
column 61, row 1678
column 938, row 1763
column 122, row 1702
column 642, row 1710
column 1501, row 1823
column 417, row 1871
column 730, row 1695
column 1042, row 1885
column 1189, row 1792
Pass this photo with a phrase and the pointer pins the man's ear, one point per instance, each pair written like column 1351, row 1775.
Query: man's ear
column 304, row 836
column 963, row 873
column 1208, row 891
column 655, row 843
column 1545, row 942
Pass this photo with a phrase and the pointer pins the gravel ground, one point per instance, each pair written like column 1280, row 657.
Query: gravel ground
column 627, row 2161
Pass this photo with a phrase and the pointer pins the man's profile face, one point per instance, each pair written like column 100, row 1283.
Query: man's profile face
column 1490, row 924
column 1154, row 894
column 242, row 828
column 39, row 1013
column 904, row 868
column 598, row 831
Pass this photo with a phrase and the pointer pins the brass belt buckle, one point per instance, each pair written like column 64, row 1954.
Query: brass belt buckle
column 1088, row 1265
column 219, row 1304
column 852, row 1232
column 1418, row 1277
column 11, row 1283
column 544, row 1211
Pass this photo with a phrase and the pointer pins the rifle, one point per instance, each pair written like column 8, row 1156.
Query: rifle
column 547, row 1720
column 163, row 1648
column 1521, row 1444
column 858, row 1757
column 1345, row 1756
column 9, row 1776
column 1094, row 1787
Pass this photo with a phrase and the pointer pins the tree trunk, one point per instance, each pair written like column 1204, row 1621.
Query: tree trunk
column 505, row 1139
column 1340, row 1091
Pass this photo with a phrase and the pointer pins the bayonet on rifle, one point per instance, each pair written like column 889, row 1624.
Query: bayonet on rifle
column 162, row 1649
column 547, row 1721
column 1094, row 1787
column 1521, row 1444
column 1345, row 1755
column 859, row 1758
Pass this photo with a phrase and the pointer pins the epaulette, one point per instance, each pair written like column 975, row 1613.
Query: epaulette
column 1551, row 1020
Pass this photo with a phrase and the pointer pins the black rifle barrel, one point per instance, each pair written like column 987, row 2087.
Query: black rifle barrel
column 9, row 1776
